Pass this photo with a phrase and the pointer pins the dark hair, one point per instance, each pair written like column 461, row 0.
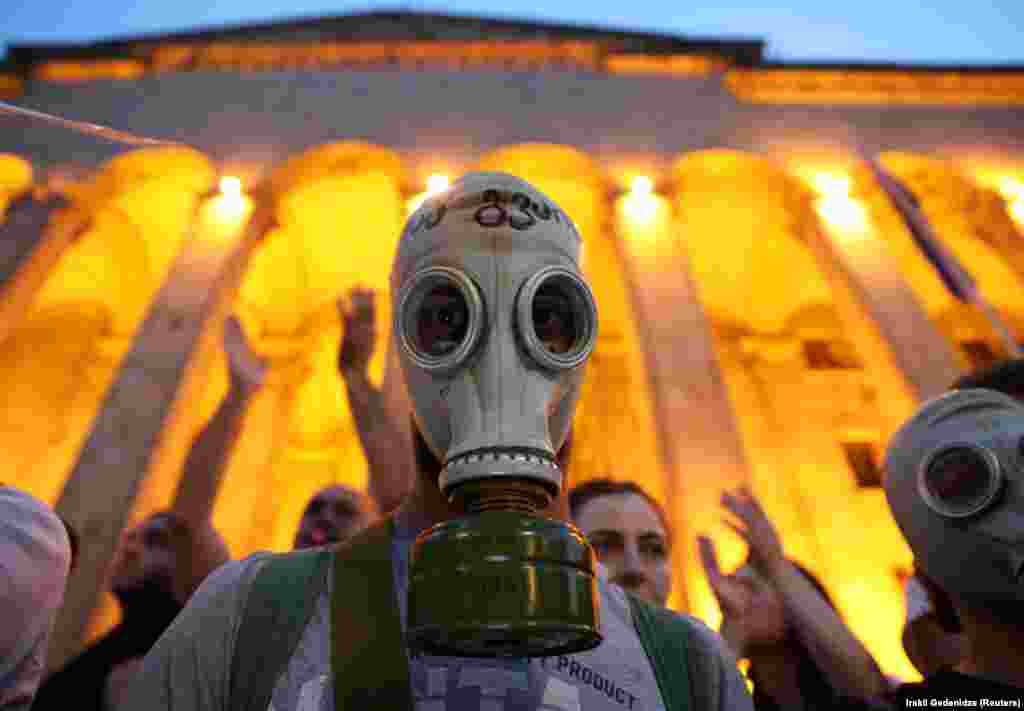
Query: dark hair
column 582, row 494
column 1005, row 376
column 72, row 542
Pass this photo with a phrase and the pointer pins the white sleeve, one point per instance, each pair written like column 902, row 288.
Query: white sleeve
column 189, row 668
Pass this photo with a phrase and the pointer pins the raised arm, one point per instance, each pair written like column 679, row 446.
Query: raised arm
column 845, row 661
column 201, row 547
column 384, row 443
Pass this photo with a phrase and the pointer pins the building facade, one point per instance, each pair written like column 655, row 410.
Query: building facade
column 766, row 318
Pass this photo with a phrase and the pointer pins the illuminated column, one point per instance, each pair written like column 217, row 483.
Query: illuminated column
column 241, row 514
column 139, row 438
column 339, row 210
column 697, row 430
column 904, row 352
column 15, row 179
column 33, row 238
column 1012, row 190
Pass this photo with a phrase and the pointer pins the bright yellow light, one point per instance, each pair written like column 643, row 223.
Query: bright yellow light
column 641, row 203
column 639, row 207
column 843, row 212
column 415, row 201
column 230, row 186
column 831, row 184
column 1011, row 188
column 437, row 183
column 642, row 185
column 1017, row 211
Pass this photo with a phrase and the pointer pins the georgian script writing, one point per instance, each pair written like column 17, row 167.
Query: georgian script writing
column 494, row 208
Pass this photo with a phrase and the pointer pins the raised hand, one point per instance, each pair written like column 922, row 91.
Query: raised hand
column 755, row 528
column 360, row 331
column 247, row 369
column 732, row 595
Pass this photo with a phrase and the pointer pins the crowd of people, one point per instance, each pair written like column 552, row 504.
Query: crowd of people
column 305, row 631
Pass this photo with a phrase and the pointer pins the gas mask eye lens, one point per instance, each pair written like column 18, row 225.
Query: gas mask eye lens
column 440, row 318
column 442, row 321
column 556, row 318
column 553, row 319
column 961, row 481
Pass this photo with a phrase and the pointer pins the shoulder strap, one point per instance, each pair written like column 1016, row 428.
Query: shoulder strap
column 368, row 657
column 665, row 638
column 280, row 604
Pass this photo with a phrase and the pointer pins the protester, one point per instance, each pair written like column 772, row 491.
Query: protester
column 161, row 561
column 238, row 644
column 386, row 446
column 953, row 484
column 779, row 617
column 35, row 556
column 932, row 636
column 630, row 535
column 334, row 514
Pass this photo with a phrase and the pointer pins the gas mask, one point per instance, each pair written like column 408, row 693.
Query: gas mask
column 494, row 324
column 955, row 485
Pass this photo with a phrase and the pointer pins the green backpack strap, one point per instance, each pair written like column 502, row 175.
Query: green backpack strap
column 280, row 604
column 368, row 658
column 665, row 637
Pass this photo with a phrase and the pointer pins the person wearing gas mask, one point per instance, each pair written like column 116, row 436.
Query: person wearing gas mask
column 932, row 636
column 955, row 486
column 473, row 594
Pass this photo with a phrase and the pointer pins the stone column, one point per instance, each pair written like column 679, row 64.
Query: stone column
column 244, row 512
column 903, row 351
column 697, row 430
column 33, row 238
column 139, row 437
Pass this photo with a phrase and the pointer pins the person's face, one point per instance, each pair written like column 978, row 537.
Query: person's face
column 145, row 555
column 332, row 515
column 630, row 540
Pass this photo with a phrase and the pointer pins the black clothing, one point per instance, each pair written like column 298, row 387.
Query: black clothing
column 81, row 683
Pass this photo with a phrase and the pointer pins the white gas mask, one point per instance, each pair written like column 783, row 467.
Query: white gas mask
column 495, row 323
column 955, row 485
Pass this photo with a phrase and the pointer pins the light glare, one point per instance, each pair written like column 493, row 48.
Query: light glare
column 642, row 185
column 842, row 211
column 230, row 186
column 437, row 183
column 830, row 184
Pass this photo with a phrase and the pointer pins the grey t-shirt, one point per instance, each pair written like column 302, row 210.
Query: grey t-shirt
column 188, row 669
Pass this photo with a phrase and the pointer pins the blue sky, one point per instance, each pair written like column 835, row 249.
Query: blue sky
column 913, row 31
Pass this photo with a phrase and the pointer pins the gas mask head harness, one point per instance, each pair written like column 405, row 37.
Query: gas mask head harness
column 495, row 322
column 955, row 485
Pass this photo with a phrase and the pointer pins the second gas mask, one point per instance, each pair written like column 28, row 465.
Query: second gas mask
column 495, row 323
column 955, row 485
